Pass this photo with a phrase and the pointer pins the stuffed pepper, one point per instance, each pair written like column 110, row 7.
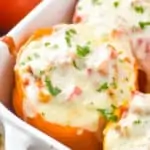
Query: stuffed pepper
column 131, row 18
column 68, row 77
column 132, row 130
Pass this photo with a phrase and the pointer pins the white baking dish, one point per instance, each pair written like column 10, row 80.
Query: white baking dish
column 18, row 134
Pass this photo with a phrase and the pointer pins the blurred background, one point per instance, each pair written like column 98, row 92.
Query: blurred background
column 12, row 11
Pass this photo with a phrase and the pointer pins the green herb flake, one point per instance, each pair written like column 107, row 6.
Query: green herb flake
column 89, row 42
column 72, row 31
column 36, row 55
column 55, row 46
column 79, row 8
column 116, row 4
column 96, row 2
column 121, row 91
column 47, row 44
column 53, row 90
column 121, row 52
column 127, row 79
column 22, row 63
column 41, row 72
column 114, row 84
column 68, row 36
column 108, row 115
column 139, row 9
column 144, row 24
column 75, row 65
column 43, row 114
column 82, row 51
column 29, row 58
column 68, row 40
column 103, row 87
column 121, row 60
column 137, row 122
column 113, row 107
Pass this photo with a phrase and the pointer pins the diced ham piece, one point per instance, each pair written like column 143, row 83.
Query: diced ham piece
column 77, row 19
column 26, row 82
column 89, row 71
column 76, row 92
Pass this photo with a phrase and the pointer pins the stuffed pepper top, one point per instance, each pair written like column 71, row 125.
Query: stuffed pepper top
column 127, row 15
column 70, row 76
column 132, row 131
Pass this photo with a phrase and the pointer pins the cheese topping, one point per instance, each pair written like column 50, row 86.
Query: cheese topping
column 70, row 76
column 132, row 132
column 127, row 17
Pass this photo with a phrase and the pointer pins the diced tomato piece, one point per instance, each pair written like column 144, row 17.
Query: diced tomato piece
column 117, row 33
column 77, row 19
column 26, row 82
column 77, row 91
column 103, row 68
column 29, row 69
column 39, row 83
column 89, row 71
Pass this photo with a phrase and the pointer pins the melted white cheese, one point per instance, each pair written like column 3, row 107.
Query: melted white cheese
column 114, row 14
column 94, row 82
column 129, row 17
column 132, row 132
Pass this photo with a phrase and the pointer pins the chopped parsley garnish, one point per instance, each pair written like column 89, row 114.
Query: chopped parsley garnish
column 75, row 65
column 22, row 63
column 53, row 90
column 29, row 58
column 89, row 43
column 116, row 4
column 139, row 9
column 121, row 52
column 137, row 122
column 68, row 36
column 114, row 84
column 103, row 87
column 47, row 44
column 108, row 114
column 113, row 107
column 79, row 8
column 43, row 114
column 68, row 40
column 121, row 60
column 121, row 91
column 96, row 2
column 55, row 46
column 42, row 72
column 36, row 55
column 82, row 51
column 144, row 24
column 127, row 79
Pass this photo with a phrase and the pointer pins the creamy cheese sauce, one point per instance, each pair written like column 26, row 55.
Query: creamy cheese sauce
column 69, row 75
column 132, row 132
column 129, row 17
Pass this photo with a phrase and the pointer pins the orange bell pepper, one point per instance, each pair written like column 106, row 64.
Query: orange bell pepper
column 66, row 135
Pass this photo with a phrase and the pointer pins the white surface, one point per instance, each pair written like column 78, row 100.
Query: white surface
column 6, row 73
column 48, row 13
column 21, row 136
